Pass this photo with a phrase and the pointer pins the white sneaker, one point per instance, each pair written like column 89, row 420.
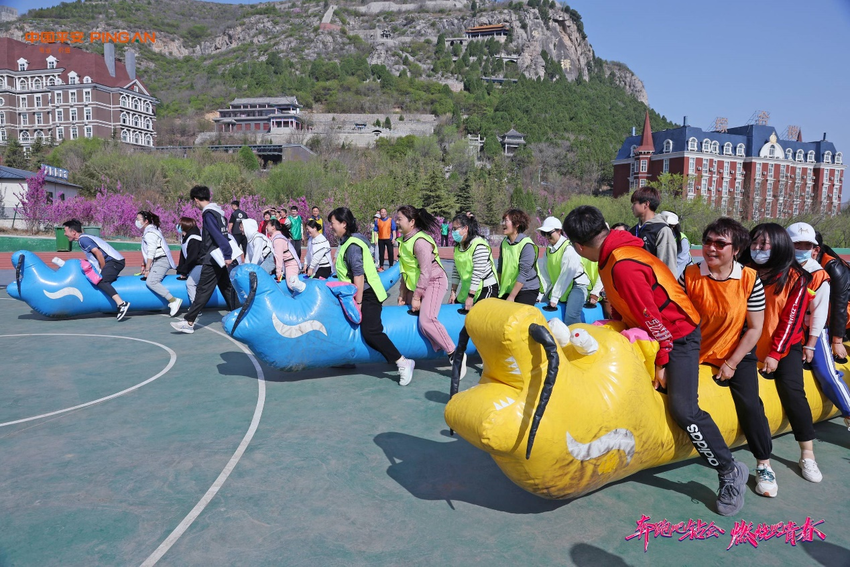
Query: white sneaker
column 462, row 364
column 766, row 481
column 174, row 306
column 405, row 372
column 810, row 469
column 122, row 310
column 183, row 326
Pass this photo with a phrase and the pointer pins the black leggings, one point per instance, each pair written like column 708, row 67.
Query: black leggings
column 322, row 272
column 789, row 385
column 109, row 274
column 683, row 401
column 525, row 296
column 744, row 387
column 372, row 328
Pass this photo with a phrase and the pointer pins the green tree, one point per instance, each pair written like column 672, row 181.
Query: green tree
column 15, row 155
column 248, row 160
column 436, row 197
column 464, row 195
column 669, row 185
column 38, row 153
column 387, row 123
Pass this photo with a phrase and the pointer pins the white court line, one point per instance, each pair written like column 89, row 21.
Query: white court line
column 231, row 464
column 168, row 367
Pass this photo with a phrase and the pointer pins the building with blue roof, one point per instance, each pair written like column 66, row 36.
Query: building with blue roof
column 746, row 171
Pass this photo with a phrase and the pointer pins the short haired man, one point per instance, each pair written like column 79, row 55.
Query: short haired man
column 213, row 237
column 296, row 229
column 386, row 239
column 645, row 295
column 656, row 234
column 105, row 257
column 235, row 224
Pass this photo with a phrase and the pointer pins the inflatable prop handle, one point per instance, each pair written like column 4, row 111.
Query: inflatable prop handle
column 19, row 273
column 460, row 351
column 560, row 331
column 542, row 335
column 583, row 342
column 252, row 292
column 58, row 261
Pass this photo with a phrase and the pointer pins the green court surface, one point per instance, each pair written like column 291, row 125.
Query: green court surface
column 201, row 456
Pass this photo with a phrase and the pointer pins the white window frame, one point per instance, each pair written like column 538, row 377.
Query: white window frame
column 643, row 165
column 88, row 131
column 668, row 146
column 60, row 115
column 25, row 119
column 693, row 145
column 665, row 168
column 715, row 147
column 74, row 133
column 72, row 97
column 73, row 115
column 706, row 146
column 727, row 149
column 39, row 118
column 692, row 165
column 810, row 157
column 58, row 97
column 87, row 95
column 799, row 156
column 87, row 113
column 60, row 133
column 827, row 157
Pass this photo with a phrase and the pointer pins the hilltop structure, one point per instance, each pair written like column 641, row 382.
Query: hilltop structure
column 57, row 91
column 747, row 170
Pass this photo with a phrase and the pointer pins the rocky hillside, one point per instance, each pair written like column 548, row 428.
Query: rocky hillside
column 396, row 35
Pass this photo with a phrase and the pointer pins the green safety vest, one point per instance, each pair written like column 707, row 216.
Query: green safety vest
column 553, row 268
column 463, row 266
column 371, row 272
column 510, row 254
column 408, row 262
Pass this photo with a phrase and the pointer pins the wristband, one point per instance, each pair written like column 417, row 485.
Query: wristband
column 811, row 348
column 734, row 368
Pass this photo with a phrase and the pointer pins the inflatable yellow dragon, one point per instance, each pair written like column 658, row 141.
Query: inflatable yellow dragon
column 603, row 420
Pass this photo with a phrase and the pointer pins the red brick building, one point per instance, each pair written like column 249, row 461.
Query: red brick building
column 746, row 172
column 55, row 90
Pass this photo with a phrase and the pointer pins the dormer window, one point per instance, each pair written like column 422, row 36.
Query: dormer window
column 72, row 78
column 839, row 158
column 727, row 149
column 799, row 156
column 51, row 62
column 715, row 147
column 706, row 146
column 632, row 151
column 810, row 157
column 788, row 154
column 22, row 64
column 693, row 145
column 827, row 157
column 668, row 146
column 739, row 151
column 86, row 79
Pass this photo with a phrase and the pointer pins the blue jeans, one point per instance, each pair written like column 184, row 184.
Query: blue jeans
column 575, row 303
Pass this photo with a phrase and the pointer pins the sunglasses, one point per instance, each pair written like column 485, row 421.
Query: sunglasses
column 718, row 244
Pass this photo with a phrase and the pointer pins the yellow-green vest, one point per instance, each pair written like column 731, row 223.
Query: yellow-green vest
column 369, row 269
column 407, row 259
column 510, row 254
column 463, row 266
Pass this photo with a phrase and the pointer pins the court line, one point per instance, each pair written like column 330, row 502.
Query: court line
column 231, row 464
column 168, row 367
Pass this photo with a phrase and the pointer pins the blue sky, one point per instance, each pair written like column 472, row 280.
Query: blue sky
column 724, row 58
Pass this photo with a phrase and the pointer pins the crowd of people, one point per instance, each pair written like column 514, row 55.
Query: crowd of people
column 762, row 298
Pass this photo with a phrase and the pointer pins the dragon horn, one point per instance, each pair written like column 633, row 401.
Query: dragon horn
column 542, row 335
column 460, row 350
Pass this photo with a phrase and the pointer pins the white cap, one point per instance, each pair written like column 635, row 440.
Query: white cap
column 550, row 224
column 377, row 215
column 802, row 232
column 670, row 218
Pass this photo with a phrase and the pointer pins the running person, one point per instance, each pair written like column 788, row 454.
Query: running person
column 189, row 266
column 352, row 266
column 157, row 259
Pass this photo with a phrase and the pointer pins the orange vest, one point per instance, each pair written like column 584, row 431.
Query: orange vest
column 774, row 305
column 666, row 280
column 723, row 306
column 385, row 228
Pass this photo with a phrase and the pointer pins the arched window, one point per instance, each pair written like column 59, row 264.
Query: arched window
column 800, row 155
column 137, row 138
column 810, row 157
column 86, row 79
column 715, row 147
column 24, row 136
column 148, row 140
column 135, row 104
column 51, row 81
column 771, row 152
column 148, row 107
column 727, row 149
column 123, row 101
column 36, row 83
column 839, row 158
column 148, row 124
column 668, row 146
column 740, row 150
column 693, row 145
column 125, row 137
column 136, row 121
column 827, row 157
column 123, row 118
column 22, row 85
column 789, row 154
column 632, row 151
column 39, row 135
column 706, row 146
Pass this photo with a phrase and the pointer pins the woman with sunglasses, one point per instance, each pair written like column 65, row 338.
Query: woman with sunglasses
column 730, row 330
column 780, row 347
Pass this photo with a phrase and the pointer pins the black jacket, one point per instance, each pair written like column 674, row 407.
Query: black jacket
column 193, row 252
column 839, row 295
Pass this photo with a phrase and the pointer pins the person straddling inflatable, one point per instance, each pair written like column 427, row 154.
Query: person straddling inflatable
column 259, row 250
column 189, row 267
column 644, row 293
column 730, row 329
column 424, row 282
column 474, row 276
column 107, row 260
column 780, row 345
column 319, row 252
column 354, row 265
column 519, row 274
column 839, row 296
column 157, row 258
column 565, row 278
column 217, row 258
column 286, row 263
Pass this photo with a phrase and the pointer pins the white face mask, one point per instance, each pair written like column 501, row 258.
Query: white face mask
column 139, row 224
column 802, row 255
column 760, row 256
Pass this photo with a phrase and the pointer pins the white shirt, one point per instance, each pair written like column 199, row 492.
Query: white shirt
column 571, row 269
column 818, row 312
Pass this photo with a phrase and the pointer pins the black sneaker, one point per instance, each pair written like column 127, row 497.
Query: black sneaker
column 730, row 495
column 122, row 310
column 462, row 364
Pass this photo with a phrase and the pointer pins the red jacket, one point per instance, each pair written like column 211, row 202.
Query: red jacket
column 646, row 291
